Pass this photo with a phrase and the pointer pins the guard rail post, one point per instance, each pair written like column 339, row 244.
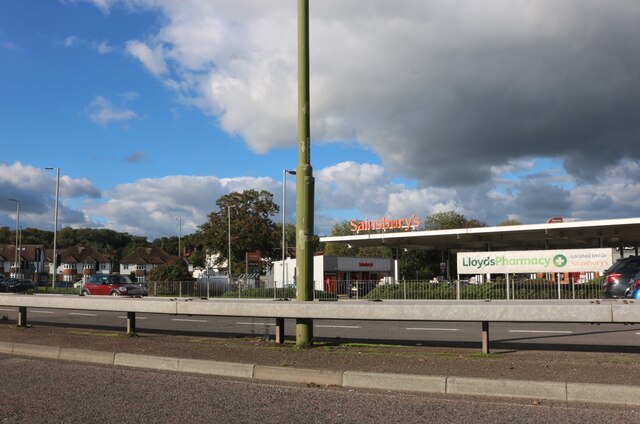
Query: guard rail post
column 22, row 316
column 280, row 330
column 485, row 337
column 131, row 323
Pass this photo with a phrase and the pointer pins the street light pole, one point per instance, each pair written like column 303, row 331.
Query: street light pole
column 284, row 222
column 179, row 235
column 55, row 228
column 17, row 256
column 304, row 182
column 229, row 229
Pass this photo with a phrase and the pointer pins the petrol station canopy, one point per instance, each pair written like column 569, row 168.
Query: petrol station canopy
column 615, row 233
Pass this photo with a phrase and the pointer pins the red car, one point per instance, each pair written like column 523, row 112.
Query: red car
column 112, row 285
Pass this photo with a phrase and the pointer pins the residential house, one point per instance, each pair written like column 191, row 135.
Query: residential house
column 143, row 260
column 79, row 262
column 31, row 262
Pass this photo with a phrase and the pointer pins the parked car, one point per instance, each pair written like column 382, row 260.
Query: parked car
column 17, row 285
column 112, row 285
column 619, row 278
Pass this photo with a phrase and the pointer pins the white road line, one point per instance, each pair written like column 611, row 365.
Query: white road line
column 124, row 317
column 337, row 326
column 189, row 320
column 432, row 329
column 541, row 331
column 255, row 323
column 7, row 309
column 82, row 314
column 41, row 312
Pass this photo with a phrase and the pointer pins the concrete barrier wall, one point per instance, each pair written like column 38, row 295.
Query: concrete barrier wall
column 490, row 311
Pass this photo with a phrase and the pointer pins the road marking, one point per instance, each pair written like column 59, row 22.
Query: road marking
column 124, row 317
column 41, row 312
column 541, row 331
column 255, row 323
column 189, row 320
column 338, row 326
column 82, row 314
column 7, row 309
column 433, row 329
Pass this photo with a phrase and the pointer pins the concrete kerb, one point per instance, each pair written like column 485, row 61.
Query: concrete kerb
column 552, row 390
column 396, row 382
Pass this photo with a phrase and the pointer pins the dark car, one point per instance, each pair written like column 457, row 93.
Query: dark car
column 16, row 285
column 112, row 285
column 620, row 277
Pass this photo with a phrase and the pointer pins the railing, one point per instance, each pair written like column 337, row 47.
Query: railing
column 500, row 289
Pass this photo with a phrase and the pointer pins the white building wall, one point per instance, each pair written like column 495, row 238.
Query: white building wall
column 290, row 275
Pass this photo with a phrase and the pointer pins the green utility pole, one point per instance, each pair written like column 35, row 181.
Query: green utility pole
column 304, row 182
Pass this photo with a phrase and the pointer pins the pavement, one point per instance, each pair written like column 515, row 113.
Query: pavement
column 600, row 377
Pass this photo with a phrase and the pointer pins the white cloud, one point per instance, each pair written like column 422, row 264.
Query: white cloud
column 71, row 41
column 473, row 85
column 103, row 47
column 102, row 112
column 35, row 189
column 151, row 58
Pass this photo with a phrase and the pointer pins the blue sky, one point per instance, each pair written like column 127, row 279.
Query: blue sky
column 153, row 109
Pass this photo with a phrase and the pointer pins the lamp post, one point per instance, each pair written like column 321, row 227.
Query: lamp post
column 284, row 222
column 304, row 182
column 55, row 228
column 229, row 258
column 17, row 256
column 179, row 235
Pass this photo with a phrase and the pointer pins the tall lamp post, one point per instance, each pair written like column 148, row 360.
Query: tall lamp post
column 55, row 228
column 179, row 235
column 284, row 221
column 17, row 256
column 229, row 229
column 304, row 182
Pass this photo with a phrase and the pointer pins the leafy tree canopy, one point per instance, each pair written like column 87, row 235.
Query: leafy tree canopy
column 450, row 220
column 251, row 227
column 176, row 271
column 509, row 221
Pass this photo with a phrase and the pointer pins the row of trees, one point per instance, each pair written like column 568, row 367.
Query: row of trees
column 248, row 216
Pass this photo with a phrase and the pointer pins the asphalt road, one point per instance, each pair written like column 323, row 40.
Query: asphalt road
column 605, row 337
column 42, row 391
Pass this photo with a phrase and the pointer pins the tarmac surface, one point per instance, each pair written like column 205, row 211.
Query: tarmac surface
column 559, row 375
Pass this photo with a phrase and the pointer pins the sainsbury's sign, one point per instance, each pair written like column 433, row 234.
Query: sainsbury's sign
column 384, row 224
column 574, row 260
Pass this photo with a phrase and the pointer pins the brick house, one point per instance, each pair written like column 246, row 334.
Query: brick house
column 144, row 259
column 31, row 262
column 80, row 262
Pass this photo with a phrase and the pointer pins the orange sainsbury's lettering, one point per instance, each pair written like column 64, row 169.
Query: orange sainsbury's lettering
column 384, row 224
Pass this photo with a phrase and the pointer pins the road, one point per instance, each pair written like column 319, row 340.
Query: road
column 42, row 391
column 609, row 337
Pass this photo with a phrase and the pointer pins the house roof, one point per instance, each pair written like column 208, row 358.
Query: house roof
column 148, row 255
column 28, row 252
column 81, row 254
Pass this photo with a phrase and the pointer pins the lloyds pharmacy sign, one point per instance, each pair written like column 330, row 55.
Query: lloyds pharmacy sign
column 523, row 261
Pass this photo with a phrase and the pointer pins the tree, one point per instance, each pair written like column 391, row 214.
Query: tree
column 251, row 227
column 509, row 221
column 450, row 220
column 343, row 249
column 176, row 271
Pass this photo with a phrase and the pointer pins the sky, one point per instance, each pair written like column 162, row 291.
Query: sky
column 153, row 109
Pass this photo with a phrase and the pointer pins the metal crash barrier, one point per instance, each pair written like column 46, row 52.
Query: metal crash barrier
column 481, row 311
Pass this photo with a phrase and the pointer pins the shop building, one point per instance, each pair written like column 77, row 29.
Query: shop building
column 335, row 274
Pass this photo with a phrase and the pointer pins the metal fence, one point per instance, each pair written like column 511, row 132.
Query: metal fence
column 515, row 289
